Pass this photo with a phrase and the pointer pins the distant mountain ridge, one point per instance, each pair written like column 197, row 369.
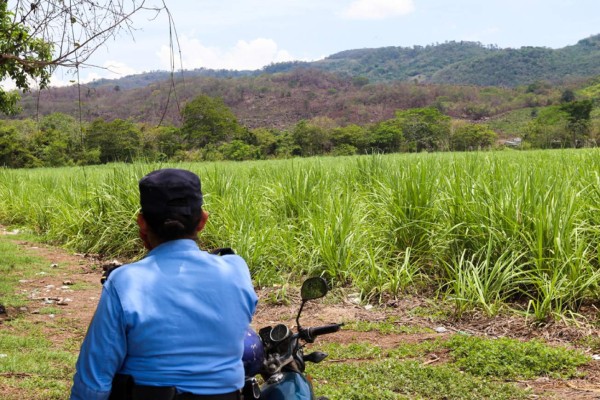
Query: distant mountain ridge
column 469, row 63
column 465, row 80
column 464, row 62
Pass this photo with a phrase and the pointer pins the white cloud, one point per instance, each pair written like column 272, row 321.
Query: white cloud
column 118, row 69
column 109, row 70
column 9, row 84
column 251, row 55
column 378, row 9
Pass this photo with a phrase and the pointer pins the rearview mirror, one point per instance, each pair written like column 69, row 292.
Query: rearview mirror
column 313, row 288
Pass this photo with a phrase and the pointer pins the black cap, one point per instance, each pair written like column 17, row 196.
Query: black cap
column 168, row 192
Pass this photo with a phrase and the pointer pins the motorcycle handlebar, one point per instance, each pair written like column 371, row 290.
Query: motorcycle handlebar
column 309, row 334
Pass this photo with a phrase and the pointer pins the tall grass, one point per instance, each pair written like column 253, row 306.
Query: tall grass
column 484, row 229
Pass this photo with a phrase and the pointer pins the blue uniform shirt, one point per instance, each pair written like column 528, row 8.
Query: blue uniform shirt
column 175, row 318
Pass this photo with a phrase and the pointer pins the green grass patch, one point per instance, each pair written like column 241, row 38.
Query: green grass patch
column 388, row 326
column 350, row 351
column 415, row 350
column 434, row 312
column 390, row 379
column 35, row 388
column 50, row 311
column 512, row 359
column 32, row 366
column 476, row 369
column 16, row 265
column 363, row 350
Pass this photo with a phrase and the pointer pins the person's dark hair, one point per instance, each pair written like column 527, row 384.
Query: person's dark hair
column 174, row 227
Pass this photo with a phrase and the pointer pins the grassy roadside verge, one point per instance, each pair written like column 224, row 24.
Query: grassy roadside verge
column 32, row 365
column 37, row 360
column 458, row 367
column 15, row 266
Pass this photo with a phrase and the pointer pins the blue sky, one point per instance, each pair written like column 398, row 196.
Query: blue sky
column 248, row 34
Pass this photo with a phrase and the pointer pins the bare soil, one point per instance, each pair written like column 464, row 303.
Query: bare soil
column 85, row 271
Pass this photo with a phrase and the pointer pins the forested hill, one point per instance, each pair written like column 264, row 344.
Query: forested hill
column 465, row 63
column 510, row 67
column 470, row 63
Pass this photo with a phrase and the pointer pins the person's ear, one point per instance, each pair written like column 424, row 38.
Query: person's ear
column 202, row 222
column 141, row 221
column 143, row 225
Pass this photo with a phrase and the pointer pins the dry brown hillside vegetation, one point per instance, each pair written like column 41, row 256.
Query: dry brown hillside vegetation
column 281, row 100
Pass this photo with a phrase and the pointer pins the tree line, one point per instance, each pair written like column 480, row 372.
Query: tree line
column 210, row 131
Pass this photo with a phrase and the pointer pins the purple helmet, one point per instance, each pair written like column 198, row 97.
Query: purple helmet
column 254, row 353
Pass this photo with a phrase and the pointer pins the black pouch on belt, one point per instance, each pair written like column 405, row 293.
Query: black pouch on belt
column 124, row 388
column 141, row 392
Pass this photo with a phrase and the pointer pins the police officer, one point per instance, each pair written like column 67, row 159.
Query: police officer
column 172, row 325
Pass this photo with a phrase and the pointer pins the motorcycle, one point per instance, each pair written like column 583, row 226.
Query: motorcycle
column 277, row 354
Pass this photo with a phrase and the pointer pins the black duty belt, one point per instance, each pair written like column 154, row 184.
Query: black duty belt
column 141, row 392
column 124, row 388
column 227, row 396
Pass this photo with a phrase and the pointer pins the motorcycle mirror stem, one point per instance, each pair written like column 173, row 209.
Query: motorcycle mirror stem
column 298, row 316
column 312, row 288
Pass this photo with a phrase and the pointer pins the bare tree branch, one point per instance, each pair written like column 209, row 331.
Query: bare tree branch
column 37, row 36
column 76, row 28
